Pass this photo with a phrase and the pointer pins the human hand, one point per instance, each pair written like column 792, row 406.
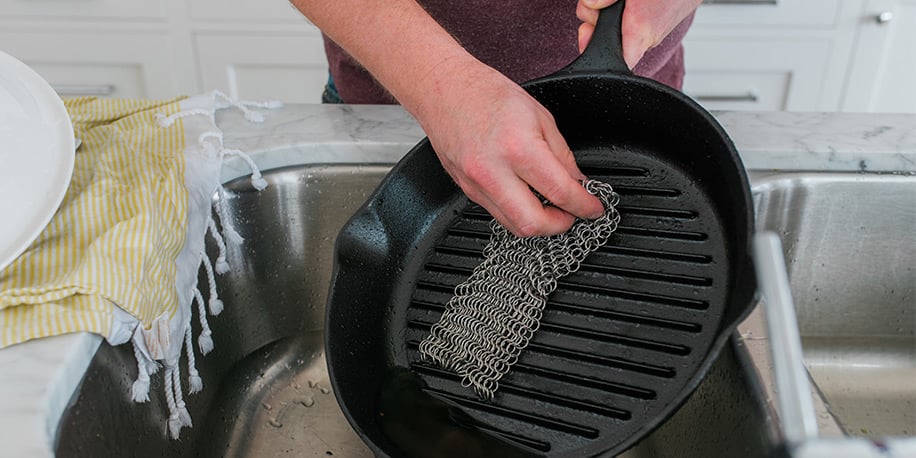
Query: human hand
column 645, row 23
column 495, row 140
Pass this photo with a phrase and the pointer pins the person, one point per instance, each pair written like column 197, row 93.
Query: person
column 456, row 68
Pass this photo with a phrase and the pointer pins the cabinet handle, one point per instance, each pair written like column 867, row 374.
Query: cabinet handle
column 750, row 96
column 884, row 17
column 86, row 89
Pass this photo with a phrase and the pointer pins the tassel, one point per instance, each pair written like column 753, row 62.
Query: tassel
column 174, row 416
column 257, row 181
column 152, row 367
column 251, row 116
column 183, row 415
column 204, row 341
column 270, row 104
column 221, row 265
column 195, row 382
column 216, row 305
column 140, row 389
column 229, row 232
column 165, row 121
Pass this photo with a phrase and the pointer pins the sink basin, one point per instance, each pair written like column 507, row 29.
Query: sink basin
column 266, row 387
column 850, row 246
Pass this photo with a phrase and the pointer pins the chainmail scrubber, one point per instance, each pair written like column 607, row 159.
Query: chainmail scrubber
column 495, row 312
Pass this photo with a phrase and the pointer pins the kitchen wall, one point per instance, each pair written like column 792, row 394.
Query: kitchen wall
column 797, row 55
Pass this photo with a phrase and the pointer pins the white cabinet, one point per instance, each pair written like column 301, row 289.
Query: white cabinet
column 799, row 55
column 767, row 13
column 288, row 67
column 100, row 64
column 245, row 10
column 756, row 73
column 770, row 55
column 883, row 77
column 803, row 55
column 149, row 10
column 164, row 48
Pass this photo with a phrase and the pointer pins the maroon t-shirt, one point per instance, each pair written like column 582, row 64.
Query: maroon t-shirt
column 523, row 39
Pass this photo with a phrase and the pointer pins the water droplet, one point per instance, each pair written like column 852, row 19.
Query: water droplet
column 266, row 406
column 308, row 402
column 273, row 422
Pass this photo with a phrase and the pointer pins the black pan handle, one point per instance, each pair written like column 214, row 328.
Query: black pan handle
column 604, row 52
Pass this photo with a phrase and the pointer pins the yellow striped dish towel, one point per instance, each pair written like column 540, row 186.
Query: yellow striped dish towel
column 121, row 256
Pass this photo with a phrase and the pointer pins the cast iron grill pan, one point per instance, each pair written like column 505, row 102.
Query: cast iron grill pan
column 618, row 338
column 624, row 340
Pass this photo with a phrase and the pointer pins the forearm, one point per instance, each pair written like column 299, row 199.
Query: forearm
column 397, row 41
column 493, row 138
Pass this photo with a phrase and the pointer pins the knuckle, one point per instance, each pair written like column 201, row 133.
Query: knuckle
column 476, row 169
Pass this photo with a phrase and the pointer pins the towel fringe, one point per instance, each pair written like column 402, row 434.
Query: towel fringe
column 216, row 305
column 195, row 382
column 140, row 388
column 204, row 341
column 230, row 235
column 183, row 413
column 174, row 416
column 211, row 143
column 167, row 121
column 221, row 266
column 257, row 181
column 250, row 115
column 270, row 104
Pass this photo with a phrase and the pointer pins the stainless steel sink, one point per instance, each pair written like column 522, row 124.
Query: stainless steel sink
column 266, row 386
column 850, row 247
column 266, row 389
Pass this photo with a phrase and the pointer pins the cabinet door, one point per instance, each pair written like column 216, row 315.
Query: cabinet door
column 100, row 64
column 289, row 68
column 763, row 72
column 883, row 71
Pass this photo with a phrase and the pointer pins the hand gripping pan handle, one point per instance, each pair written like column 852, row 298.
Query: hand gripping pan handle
column 604, row 53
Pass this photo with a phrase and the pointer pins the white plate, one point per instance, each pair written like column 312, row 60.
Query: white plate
column 36, row 156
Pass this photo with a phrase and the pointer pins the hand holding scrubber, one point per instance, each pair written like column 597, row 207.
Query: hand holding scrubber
column 495, row 312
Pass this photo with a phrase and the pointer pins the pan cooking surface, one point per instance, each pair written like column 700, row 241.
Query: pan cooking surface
column 619, row 339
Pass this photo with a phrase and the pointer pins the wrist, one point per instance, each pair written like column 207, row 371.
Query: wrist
column 436, row 87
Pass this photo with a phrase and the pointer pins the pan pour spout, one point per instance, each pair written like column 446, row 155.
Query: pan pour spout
column 496, row 311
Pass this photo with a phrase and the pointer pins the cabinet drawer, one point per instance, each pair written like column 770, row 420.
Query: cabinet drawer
column 780, row 13
column 756, row 73
column 739, row 90
column 294, row 70
column 100, row 64
column 133, row 9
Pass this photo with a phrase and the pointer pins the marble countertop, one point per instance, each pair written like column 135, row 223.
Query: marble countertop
column 39, row 377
